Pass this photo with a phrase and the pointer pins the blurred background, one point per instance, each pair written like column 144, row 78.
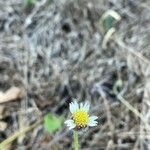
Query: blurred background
column 52, row 51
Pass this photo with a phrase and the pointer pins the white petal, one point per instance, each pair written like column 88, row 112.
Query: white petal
column 86, row 106
column 67, row 122
column 92, row 121
column 92, row 118
column 73, row 106
column 72, row 127
column 92, row 124
column 81, row 105
column 70, row 123
column 76, row 105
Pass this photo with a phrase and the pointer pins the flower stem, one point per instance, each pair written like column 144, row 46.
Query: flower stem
column 76, row 144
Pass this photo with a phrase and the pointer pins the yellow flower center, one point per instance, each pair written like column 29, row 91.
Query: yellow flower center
column 80, row 118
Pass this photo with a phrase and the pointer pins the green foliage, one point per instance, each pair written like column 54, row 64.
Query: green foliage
column 117, row 86
column 29, row 3
column 50, row 1
column 108, row 22
column 52, row 122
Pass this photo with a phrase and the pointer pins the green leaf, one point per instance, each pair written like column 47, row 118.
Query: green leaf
column 108, row 22
column 52, row 122
column 50, row 1
column 117, row 86
column 29, row 2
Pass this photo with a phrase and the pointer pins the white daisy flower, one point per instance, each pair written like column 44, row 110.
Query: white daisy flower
column 80, row 116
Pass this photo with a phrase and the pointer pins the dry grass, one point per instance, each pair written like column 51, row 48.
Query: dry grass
column 54, row 51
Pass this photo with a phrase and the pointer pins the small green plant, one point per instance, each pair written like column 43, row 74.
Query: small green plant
column 117, row 86
column 109, row 20
column 29, row 3
column 52, row 122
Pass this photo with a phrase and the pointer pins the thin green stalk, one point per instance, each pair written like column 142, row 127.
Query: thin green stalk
column 76, row 143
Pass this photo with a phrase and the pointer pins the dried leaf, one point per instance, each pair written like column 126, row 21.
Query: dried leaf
column 12, row 94
column 3, row 126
